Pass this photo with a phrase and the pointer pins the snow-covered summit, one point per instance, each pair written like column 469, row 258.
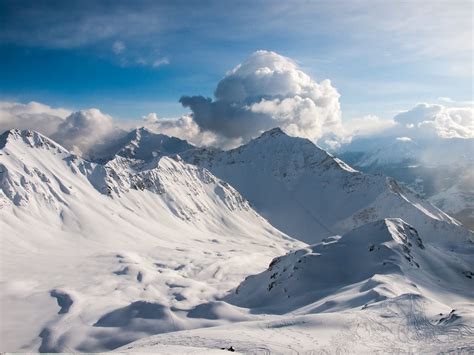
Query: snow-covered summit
column 285, row 157
column 31, row 138
column 308, row 193
column 37, row 170
column 140, row 143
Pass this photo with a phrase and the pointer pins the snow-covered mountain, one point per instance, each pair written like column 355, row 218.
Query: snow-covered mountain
column 95, row 256
column 141, row 144
column 381, row 151
column 391, row 150
column 381, row 260
column 458, row 200
column 309, row 194
column 379, row 288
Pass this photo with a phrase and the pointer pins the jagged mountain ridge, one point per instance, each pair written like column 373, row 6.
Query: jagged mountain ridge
column 442, row 173
column 160, row 236
column 306, row 192
column 116, row 177
column 141, row 144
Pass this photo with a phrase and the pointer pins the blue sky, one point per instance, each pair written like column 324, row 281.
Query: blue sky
column 131, row 59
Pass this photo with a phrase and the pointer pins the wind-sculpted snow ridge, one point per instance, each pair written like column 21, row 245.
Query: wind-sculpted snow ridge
column 375, row 262
column 96, row 256
column 309, row 194
column 379, row 288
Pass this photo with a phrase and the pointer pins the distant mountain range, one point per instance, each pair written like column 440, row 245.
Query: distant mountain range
column 441, row 172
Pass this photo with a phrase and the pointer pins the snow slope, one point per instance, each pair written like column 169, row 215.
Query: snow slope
column 378, row 288
column 96, row 256
column 458, row 200
column 382, row 259
column 309, row 194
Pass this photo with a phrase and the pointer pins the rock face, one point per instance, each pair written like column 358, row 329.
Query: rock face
column 309, row 194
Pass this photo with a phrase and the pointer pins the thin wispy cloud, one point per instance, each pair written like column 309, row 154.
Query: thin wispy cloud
column 160, row 62
column 118, row 47
column 406, row 49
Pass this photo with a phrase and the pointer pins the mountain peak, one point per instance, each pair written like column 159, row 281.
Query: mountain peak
column 274, row 132
column 143, row 131
column 285, row 148
column 386, row 230
column 142, row 144
column 30, row 138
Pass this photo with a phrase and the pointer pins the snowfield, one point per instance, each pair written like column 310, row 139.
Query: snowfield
column 379, row 288
column 151, row 252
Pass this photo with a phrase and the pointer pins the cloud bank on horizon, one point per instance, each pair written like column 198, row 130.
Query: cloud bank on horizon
column 267, row 90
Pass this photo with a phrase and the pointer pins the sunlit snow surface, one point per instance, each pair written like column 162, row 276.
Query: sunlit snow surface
column 94, row 257
column 377, row 288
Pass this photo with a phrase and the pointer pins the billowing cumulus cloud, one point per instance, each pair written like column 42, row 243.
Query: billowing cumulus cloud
column 266, row 91
column 184, row 127
column 76, row 131
column 83, row 129
column 430, row 120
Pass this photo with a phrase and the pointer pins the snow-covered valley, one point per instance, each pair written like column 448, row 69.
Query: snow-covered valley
column 170, row 253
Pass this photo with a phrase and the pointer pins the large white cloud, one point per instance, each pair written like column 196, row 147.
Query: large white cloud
column 83, row 129
column 184, row 127
column 77, row 131
column 437, row 121
column 265, row 91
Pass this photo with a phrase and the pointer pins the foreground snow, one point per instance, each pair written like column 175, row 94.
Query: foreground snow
column 401, row 326
column 377, row 288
